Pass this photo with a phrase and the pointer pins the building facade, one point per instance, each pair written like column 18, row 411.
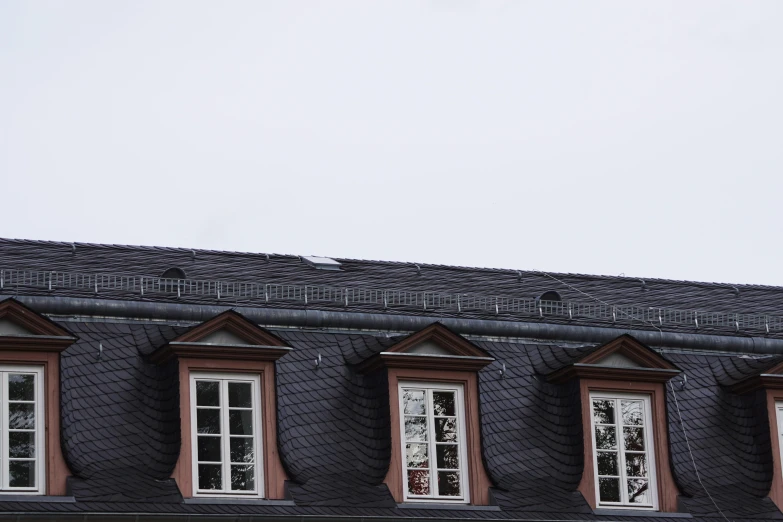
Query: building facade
column 142, row 383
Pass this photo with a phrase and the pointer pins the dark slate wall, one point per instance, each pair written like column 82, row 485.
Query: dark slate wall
column 121, row 429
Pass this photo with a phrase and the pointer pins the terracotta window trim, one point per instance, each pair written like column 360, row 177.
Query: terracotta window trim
column 274, row 475
column 478, row 480
column 666, row 487
column 774, row 394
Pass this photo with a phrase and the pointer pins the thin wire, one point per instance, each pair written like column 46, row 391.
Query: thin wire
column 575, row 289
column 693, row 461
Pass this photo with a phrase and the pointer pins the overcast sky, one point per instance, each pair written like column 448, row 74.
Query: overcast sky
column 643, row 138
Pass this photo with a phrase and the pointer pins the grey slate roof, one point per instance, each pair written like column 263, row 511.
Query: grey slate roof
column 207, row 265
column 120, row 413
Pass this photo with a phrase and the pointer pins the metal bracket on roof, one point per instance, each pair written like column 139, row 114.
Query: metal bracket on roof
column 418, row 269
column 736, row 291
column 73, row 249
column 2, row 279
column 459, row 304
column 385, row 301
column 519, row 275
column 644, row 285
column 100, row 350
column 570, row 312
column 736, row 325
column 614, row 314
column 267, row 257
column 766, row 324
column 683, row 382
column 193, row 254
column 497, row 308
column 305, row 295
column 696, row 318
column 502, row 371
column 660, row 317
column 318, row 361
column 51, row 276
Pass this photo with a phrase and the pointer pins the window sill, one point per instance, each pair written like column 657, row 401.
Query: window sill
column 238, row 501
column 34, row 498
column 442, row 506
column 638, row 513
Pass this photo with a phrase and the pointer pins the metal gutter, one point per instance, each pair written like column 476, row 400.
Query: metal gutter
column 74, row 306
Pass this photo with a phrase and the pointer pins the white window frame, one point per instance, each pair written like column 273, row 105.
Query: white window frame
column 649, row 443
column 40, row 431
column 258, row 419
column 461, row 436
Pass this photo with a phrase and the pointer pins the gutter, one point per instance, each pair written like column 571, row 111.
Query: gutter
column 322, row 319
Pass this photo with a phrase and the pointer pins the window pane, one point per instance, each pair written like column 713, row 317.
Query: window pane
column 607, row 463
column 605, row 437
column 209, row 476
column 207, row 393
column 21, row 474
column 21, row 416
column 415, row 429
column 443, row 403
column 418, row 482
column 240, row 395
column 638, row 491
column 448, row 483
column 447, row 456
column 243, row 478
column 414, row 402
column 636, row 464
column 242, row 449
column 21, row 444
column 632, row 412
column 208, row 421
column 446, row 430
column 209, row 449
column 603, row 412
column 634, row 439
column 21, row 387
column 609, row 489
column 416, row 456
column 240, row 422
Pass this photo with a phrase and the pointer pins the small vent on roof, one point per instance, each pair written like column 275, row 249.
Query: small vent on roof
column 321, row 263
column 550, row 296
column 173, row 273
column 549, row 303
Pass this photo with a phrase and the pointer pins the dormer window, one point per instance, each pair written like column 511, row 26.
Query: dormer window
column 626, row 447
column 227, row 409
column 433, row 395
column 31, row 460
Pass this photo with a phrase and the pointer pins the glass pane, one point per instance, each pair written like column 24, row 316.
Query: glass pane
column 607, row 463
column 207, row 421
column 609, row 489
column 240, row 395
column 207, row 393
column 414, row 402
column 634, row 439
column 638, row 492
column 209, row 476
column 416, row 456
column 415, row 429
column 21, row 387
column 242, row 449
column 443, row 403
column 418, row 482
column 632, row 412
column 448, row 483
column 447, row 456
column 21, row 474
column 603, row 411
column 21, row 444
column 243, row 478
column 240, row 422
column 636, row 464
column 605, row 437
column 209, row 449
column 446, row 430
column 21, row 416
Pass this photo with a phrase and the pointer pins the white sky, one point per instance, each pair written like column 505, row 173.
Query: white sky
column 643, row 138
